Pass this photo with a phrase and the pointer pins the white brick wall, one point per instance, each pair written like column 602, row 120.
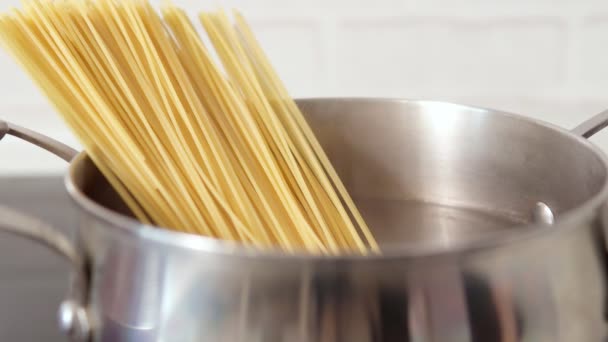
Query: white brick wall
column 457, row 56
column 544, row 58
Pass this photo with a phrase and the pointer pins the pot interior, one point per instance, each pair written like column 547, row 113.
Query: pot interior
column 437, row 174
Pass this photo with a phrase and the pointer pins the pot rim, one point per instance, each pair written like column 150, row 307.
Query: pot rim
column 567, row 221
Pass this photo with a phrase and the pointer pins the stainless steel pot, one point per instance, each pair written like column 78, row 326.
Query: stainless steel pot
column 491, row 226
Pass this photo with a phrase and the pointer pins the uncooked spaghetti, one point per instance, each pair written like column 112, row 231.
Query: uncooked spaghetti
column 217, row 149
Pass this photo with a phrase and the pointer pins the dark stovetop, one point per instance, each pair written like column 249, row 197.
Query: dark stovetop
column 33, row 280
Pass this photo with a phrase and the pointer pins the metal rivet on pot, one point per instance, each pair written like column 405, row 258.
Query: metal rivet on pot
column 73, row 321
column 542, row 214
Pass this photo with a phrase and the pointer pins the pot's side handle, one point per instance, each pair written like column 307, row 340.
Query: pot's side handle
column 73, row 319
column 25, row 226
column 59, row 149
column 593, row 125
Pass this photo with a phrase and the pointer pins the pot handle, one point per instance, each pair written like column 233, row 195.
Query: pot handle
column 593, row 125
column 73, row 319
column 59, row 149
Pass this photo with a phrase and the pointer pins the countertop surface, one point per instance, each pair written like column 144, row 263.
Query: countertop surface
column 33, row 281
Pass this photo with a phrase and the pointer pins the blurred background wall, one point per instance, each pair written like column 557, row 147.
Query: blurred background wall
column 544, row 58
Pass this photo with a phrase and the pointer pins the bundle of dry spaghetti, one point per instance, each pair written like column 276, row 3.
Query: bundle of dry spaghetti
column 218, row 149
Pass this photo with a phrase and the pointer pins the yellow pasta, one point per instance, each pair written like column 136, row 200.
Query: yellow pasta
column 190, row 145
